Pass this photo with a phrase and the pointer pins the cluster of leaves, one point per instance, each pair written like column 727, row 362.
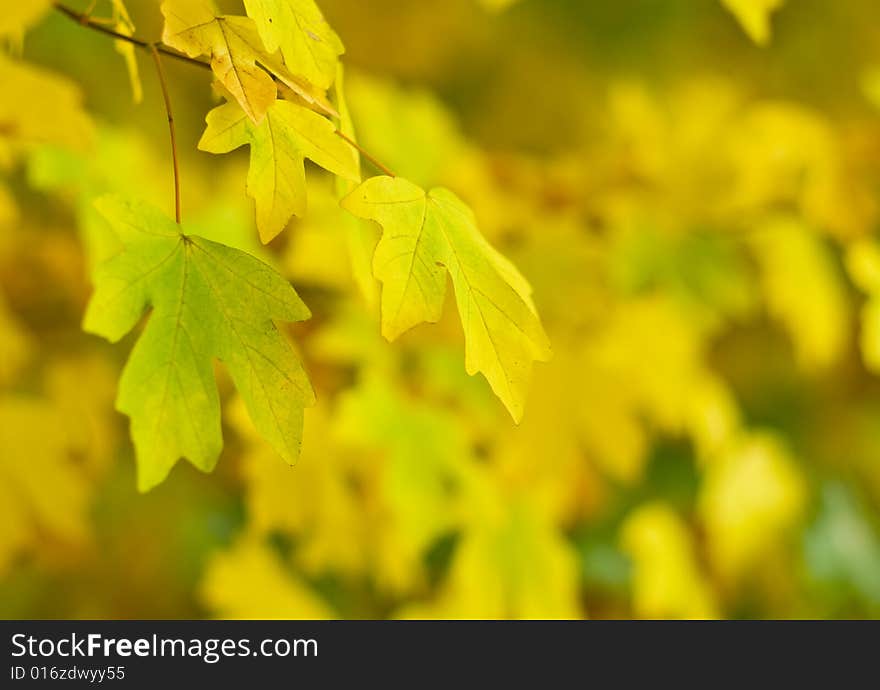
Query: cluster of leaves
column 688, row 298
column 274, row 68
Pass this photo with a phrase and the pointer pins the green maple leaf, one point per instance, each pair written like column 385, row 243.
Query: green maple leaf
column 287, row 135
column 208, row 301
column 424, row 236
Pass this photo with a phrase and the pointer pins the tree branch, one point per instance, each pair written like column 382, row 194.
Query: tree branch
column 86, row 21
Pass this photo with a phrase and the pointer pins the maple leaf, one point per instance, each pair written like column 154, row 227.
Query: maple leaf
column 208, row 300
column 287, row 135
column 427, row 234
column 233, row 44
column 238, row 58
column 308, row 44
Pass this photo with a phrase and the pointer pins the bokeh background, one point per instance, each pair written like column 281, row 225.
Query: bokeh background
column 697, row 213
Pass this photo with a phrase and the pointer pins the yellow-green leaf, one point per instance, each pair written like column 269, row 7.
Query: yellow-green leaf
column 208, row 301
column 308, row 44
column 279, row 144
column 424, row 236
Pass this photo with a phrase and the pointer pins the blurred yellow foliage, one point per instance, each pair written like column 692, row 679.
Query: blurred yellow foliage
column 271, row 592
column 667, row 582
column 752, row 497
column 696, row 219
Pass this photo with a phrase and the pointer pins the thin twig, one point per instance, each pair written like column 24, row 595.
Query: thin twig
column 155, row 51
column 365, row 154
column 88, row 22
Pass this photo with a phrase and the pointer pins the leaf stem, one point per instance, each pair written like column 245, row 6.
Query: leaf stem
column 155, row 51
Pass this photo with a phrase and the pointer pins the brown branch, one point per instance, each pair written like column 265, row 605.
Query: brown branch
column 155, row 51
column 88, row 22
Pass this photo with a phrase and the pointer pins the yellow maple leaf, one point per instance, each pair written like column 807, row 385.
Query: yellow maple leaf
column 287, row 134
column 308, row 44
column 424, row 236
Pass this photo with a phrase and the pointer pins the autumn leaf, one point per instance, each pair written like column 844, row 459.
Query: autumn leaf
column 238, row 58
column 233, row 44
column 287, row 135
column 208, row 301
column 308, row 44
column 427, row 234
